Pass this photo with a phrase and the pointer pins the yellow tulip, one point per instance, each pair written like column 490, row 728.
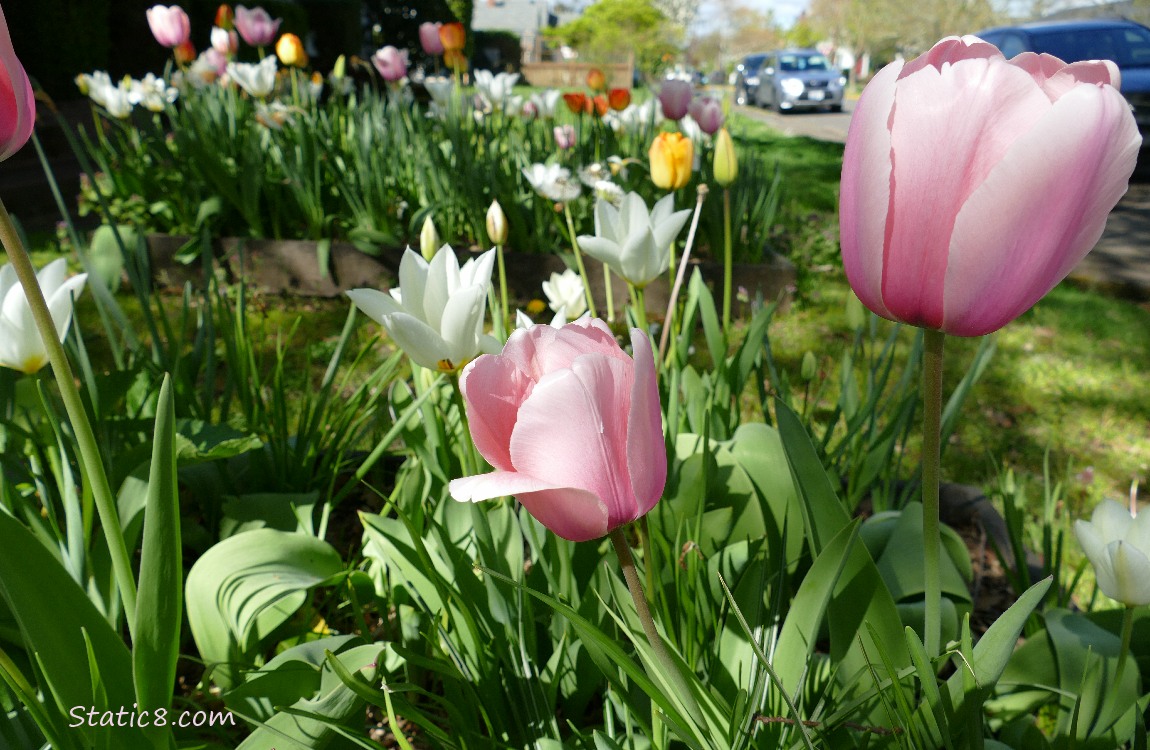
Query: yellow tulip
column 290, row 51
column 726, row 161
column 672, row 157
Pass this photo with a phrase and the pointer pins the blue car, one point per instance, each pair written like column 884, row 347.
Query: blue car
column 1125, row 42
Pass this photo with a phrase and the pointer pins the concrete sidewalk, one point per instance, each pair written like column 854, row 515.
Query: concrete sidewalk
column 1120, row 262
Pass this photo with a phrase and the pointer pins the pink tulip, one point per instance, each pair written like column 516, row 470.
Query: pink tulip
column 391, row 63
column 17, row 105
column 169, row 24
column 972, row 185
column 572, row 426
column 564, row 136
column 708, row 113
column 429, row 38
column 675, row 97
column 256, row 27
column 225, row 41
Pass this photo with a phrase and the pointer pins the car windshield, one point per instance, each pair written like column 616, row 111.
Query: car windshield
column 792, row 63
column 1127, row 46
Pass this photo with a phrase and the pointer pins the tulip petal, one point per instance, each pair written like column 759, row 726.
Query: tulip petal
column 602, row 250
column 1092, row 542
column 940, row 159
column 1131, row 573
column 374, row 304
column 461, row 323
column 865, row 195
column 542, row 350
column 588, row 448
column 494, row 388
column 424, row 346
column 17, row 103
column 1040, row 210
column 646, row 449
column 61, row 302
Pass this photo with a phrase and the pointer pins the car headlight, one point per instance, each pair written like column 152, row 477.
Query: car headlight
column 842, row 81
column 792, row 87
column 752, row 80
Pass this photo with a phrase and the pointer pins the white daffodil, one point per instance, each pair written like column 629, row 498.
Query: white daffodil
column 258, row 79
column 545, row 102
column 115, row 98
column 606, row 190
column 592, row 173
column 522, row 320
column 152, row 93
column 21, row 347
column 436, row 314
column 1117, row 543
column 553, row 182
column 495, row 89
column 635, row 243
column 564, row 292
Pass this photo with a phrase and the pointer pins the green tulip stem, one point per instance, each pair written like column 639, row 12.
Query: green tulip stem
column 1123, row 656
column 931, row 458
column 503, row 321
column 90, row 460
column 579, row 261
column 673, row 300
column 627, row 562
column 467, row 452
column 639, row 307
column 608, row 293
column 727, row 260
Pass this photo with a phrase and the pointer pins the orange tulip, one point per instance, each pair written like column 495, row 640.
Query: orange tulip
column 452, row 36
column 619, row 99
column 672, row 157
column 184, row 52
column 600, row 104
column 577, row 102
column 225, row 18
column 596, row 80
column 455, row 59
column 290, row 51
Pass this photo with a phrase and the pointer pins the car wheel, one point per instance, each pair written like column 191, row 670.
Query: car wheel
column 740, row 96
column 836, row 108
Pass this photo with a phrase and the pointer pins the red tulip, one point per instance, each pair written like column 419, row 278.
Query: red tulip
column 596, row 80
column 185, row 52
column 603, row 463
column 599, row 104
column 17, row 105
column 972, row 184
column 619, row 99
column 225, row 18
column 455, row 59
column 577, row 102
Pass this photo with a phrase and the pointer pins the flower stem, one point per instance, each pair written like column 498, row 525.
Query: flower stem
column 503, row 321
column 727, row 259
column 639, row 307
column 627, row 562
column 931, row 458
column 668, row 320
column 608, row 293
column 579, row 261
column 91, row 462
column 1123, row 657
column 467, row 454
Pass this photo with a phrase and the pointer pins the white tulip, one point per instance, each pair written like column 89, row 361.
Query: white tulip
column 21, row 347
column 545, row 102
column 153, row 94
column 436, row 314
column 1117, row 543
column 258, row 79
column 553, row 182
column 496, row 89
column 635, row 244
column 565, row 294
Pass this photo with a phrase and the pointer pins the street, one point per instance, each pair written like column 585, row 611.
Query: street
column 825, row 126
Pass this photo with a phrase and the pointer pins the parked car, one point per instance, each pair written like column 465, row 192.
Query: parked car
column 798, row 79
column 1125, row 42
column 746, row 81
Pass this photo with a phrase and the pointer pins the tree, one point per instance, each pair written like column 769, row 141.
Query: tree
column 608, row 28
column 883, row 28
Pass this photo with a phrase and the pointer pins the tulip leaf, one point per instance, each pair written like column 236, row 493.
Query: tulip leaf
column 159, row 606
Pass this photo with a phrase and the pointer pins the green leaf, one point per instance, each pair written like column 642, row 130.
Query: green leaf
column 159, row 606
column 246, row 586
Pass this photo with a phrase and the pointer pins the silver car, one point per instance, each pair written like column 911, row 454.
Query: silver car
column 799, row 79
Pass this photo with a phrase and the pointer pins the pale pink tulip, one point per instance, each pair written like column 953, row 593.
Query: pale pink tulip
column 572, row 426
column 169, row 24
column 565, row 136
column 429, row 38
column 17, row 105
column 972, row 185
column 391, row 63
column 708, row 113
column 675, row 98
column 256, row 27
column 225, row 41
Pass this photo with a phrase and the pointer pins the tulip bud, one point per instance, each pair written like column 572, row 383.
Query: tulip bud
column 290, row 51
column 452, row 36
column 496, row 224
column 428, row 239
column 810, row 367
column 726, row 162
column 856, row 315
column 184, row 53
column 429, row 38
column 225, row 18
column 596, row 80
column 672, row 156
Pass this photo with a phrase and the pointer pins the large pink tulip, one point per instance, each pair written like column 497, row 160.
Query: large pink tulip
column 972, row 184
column 17, row 105
column 391, row 63
column 429, row 38
column 572, row 426
column 675, row 98
column 169, row 24
column 256, row 26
